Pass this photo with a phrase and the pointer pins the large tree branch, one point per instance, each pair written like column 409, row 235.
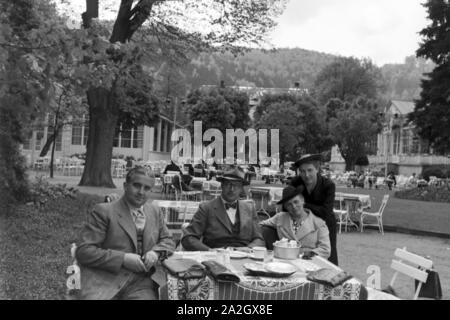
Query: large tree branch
column 140, row 14
column 121, row 25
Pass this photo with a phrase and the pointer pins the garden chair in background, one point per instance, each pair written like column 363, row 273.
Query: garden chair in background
column 375, row 215
column 180, row 194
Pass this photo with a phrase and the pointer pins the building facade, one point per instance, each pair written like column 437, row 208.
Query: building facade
column 399, row 148
column 142, row 143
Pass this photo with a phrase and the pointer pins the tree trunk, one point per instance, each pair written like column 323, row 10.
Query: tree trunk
column 349, row 166
column 103, row 116
column 52, row 156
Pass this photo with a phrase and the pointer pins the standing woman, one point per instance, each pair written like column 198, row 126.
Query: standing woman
column 319, row 194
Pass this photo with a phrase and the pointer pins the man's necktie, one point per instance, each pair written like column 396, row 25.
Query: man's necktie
column 229, row 205
column 138, row 218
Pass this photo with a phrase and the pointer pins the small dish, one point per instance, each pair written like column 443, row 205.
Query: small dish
column 272, row 269
column 280, row 267
column 238, row 255
column 252, row 256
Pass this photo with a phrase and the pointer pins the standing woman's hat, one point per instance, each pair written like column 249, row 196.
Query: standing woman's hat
column 307, row 158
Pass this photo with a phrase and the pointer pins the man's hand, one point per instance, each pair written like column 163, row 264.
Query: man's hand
column 150, row 258
column 133, row 263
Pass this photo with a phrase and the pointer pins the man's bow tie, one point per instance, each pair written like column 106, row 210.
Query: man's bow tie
column 229, row 205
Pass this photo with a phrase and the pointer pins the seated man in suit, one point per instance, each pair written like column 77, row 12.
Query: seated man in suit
column 121, row 244
column 224, row 221
column 298, row 223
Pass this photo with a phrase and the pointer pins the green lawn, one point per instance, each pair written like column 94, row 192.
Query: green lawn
column 409, row 214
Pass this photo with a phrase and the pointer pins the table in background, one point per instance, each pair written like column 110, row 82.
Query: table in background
column 268, row 195
column 353, row 204
column 364, row 199
column 295, row 287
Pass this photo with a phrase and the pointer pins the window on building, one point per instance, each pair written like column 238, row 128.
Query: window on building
column 80, row 131
column 27, row 141
column 129, row 137
column 406, row 142
column 126, row 136
column 415, row 145
column 40, row 136
column 396, row 143
column 164, row 136
column 371, row 146
column 155, row 137
column 169, row 135
column 138, row 138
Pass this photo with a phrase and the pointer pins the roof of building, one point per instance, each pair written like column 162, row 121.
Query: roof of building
column 403, row 107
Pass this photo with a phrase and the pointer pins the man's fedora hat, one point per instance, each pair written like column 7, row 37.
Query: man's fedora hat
column 290, row 192
column 308, row 158
column 232, row 175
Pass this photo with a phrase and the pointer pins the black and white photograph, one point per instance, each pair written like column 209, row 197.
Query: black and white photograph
column 243, row 152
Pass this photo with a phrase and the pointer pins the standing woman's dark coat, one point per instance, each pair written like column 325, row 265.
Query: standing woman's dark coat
column 321, row 203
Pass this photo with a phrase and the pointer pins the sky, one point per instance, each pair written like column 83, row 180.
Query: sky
column 384, row 30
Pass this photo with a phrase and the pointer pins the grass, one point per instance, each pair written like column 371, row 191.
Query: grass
column 35, row 247
column 409, row 214
column 36, row 244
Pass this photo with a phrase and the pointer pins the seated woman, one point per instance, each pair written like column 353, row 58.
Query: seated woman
column 298, row 223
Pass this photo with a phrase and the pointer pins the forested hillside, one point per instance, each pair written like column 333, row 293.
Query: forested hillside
column 282, row 68
column 270, row 69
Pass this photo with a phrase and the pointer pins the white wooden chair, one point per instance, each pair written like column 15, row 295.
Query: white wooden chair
column 341, row 214
column 263, row 195
column 416, row 269
column 376, row 215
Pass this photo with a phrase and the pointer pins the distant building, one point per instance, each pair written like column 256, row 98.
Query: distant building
column 398, row 145
column 142, row 142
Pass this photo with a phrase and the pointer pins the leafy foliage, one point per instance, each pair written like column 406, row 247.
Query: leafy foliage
column 352, row 126
column 32, row 42
column 403, row 80
column 219, row 109
column 432, row 111
column 439, row 171
column 347, row 79
column 431, row 193
column 300, row 121
column 41, row 191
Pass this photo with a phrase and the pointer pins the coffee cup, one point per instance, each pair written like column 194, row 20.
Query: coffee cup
column 259, row 252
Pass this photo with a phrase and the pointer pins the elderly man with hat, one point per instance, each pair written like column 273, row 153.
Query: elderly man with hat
column 224, row 221
column 319, row 193
column 299, row 224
